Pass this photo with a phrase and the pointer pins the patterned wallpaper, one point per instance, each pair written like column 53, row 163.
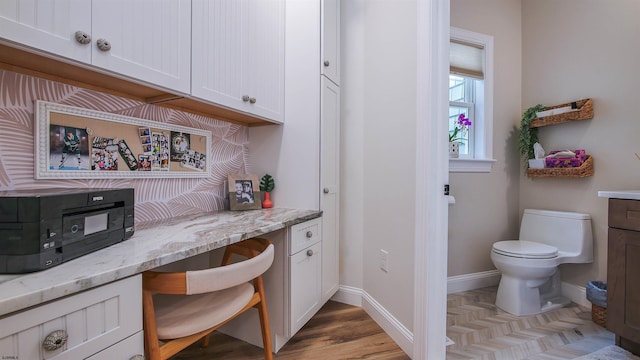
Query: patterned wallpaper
column 156, row 199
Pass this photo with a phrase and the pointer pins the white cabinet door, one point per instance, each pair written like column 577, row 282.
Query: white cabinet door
column 305, row 267
column 238, row 55
column 331, row 40
column 48, row 25
column 150, row 40
column 330, row 182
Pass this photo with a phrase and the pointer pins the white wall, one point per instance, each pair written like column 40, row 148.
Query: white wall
column 486, row 208
column 378, row 113
column 576, row 49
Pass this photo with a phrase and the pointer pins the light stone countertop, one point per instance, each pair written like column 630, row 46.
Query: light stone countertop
column 620, row 194
column 152, row 245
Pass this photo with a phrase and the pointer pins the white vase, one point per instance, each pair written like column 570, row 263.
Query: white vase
column 454, row 149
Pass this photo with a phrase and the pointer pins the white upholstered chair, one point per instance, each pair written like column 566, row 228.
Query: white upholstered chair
column 181, row 308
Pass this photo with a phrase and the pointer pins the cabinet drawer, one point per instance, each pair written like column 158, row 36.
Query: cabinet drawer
column 304, row 235
column 93, row 320
column 125, row 349
column 624, row 214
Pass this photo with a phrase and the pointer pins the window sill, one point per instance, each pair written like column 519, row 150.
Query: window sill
column 471, row 165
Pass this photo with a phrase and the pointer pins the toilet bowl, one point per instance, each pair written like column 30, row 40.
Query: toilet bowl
column 530, row 282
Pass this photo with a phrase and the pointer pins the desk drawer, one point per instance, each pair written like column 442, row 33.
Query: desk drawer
column 304, row 235
column 93, row 320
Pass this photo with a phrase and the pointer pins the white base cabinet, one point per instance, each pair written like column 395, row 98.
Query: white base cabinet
column 97, row 323
column 293, row 285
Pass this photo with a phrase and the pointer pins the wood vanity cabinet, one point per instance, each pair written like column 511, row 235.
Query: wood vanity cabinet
column 623, row 271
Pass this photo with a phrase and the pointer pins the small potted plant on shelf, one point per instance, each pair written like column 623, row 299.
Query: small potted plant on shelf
column 528, row 135
column 458, row 134
column 266, row 186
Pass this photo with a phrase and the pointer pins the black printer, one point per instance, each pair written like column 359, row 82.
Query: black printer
column 43, row 228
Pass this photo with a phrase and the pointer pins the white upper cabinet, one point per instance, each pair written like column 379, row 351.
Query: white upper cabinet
column 48, row 25
column 238, row 55
column 330, row 38
column 149, row 40
column 142, row 39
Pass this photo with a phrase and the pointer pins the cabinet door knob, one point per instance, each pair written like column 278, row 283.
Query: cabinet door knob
column 137, row 357
column 309, row 234
column 327, row 63
column 82, row 37
column 309, row 252
column 245, row 98
column 103, row 45
column 55, row 340
column 325, row 190
column 252, row 100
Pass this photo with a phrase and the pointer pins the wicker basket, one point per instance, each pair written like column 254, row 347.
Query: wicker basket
column 584, row 112
column 584, row 170
column 599, row 315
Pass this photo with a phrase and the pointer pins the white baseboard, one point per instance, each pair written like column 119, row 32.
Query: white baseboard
column 394, row 328
column 348, row 295
column 472, row 281
column 575, row 293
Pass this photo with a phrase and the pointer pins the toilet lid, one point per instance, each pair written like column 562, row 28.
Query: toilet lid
column 525, row 249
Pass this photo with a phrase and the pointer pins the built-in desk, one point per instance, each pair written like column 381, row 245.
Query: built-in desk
column 152, row 245
column 95, row 300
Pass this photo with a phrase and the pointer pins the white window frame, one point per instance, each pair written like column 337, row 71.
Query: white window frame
column 482, row 160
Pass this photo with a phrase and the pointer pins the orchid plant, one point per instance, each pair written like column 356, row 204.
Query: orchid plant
column 460, row 131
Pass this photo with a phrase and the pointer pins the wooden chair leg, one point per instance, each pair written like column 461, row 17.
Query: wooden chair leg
column 151, row 345
column 205, row 341
column 264, row 319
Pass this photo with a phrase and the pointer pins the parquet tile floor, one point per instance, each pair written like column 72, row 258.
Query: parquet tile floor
column 478, row 328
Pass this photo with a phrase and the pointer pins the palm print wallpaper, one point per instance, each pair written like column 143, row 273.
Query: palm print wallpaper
column 156, row 199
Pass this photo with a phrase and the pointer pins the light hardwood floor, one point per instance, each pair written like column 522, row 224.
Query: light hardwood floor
column 478, row 328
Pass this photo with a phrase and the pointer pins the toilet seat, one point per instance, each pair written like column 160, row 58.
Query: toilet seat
column 525, row 249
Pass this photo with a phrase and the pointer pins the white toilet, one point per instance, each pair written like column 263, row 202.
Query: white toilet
column 530, row 282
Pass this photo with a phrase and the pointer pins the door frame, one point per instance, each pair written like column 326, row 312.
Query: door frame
column 432, row 173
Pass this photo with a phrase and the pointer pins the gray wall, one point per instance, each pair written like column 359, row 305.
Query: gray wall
column 486, row 208
column 576, row 49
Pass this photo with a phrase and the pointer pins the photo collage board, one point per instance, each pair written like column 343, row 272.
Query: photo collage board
column 81, row 143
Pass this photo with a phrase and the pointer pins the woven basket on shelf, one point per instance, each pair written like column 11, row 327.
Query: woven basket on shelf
column 584, row 112
column 599, row 315
column 584, row 170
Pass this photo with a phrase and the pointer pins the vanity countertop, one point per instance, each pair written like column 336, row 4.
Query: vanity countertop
column 153, row 244
column 620, row 194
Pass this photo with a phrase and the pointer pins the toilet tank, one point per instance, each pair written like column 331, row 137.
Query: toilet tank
column 570, row 232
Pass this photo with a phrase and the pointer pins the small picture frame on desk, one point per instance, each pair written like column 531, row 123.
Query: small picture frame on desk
column 244, row 192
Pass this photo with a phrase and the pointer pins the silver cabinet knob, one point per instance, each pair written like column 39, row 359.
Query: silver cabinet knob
column 137, row 357
column 103, row 45
column 309, row 234
column 82, row 37
column 325, row 190
column 252, row 100
column 327, row 63
column 309, row 252
column 55, row 340
column 245, row 98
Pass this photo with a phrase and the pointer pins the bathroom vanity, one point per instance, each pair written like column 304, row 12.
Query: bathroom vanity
column 623, row 268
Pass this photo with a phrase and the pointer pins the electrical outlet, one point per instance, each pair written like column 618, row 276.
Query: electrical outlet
column 384, row 260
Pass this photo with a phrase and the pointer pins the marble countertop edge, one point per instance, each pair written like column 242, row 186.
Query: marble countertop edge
column 152, row 245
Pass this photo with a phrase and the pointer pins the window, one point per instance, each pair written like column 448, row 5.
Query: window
column 471, row 94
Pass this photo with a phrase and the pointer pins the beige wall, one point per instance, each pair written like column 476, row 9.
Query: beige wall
column 379, row 114
column 576, row 49
column 486, row 208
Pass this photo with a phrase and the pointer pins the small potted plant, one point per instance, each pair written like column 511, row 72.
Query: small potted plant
column 266, row 186
column 458, row 134
column 528, row 135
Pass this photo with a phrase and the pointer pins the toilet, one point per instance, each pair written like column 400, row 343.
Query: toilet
column 530, row 282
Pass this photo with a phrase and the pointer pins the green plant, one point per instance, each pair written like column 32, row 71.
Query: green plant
column 267, row 183
column 528, row 135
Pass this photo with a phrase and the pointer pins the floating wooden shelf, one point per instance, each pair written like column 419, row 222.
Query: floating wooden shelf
column 584, row 112
column 584, row 170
